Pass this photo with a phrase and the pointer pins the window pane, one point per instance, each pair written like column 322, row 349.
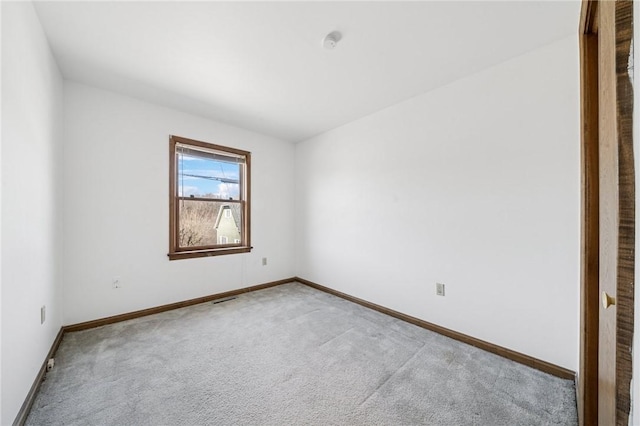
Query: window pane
column 207, row 223
column 202, row 177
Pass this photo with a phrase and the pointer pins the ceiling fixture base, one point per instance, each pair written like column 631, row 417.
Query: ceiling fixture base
column 331, row 40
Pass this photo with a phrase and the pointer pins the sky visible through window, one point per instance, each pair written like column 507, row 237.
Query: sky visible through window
column 207, row 178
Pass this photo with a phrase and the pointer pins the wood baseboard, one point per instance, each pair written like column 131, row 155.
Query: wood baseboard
column 21, row 418
column 521, row 358
column 489, row 347
column 156, row 310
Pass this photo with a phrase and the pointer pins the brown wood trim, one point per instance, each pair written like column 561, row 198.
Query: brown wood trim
column 173, row 207
column 207, row 253
column 208, row 145
column 21, row 418
column 587, row 378
column 158, row 309
column 176, row 252
column 626, row 212
column 246, row 217
column 214, row 248
column 489, row 347
column 588, row 17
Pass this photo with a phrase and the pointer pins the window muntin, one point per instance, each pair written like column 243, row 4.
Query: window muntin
column 209, row 204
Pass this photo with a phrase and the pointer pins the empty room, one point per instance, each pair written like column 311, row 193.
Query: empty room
column 312, row 213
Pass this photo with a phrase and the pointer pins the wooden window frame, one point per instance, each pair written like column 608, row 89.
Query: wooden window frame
column 175, row 251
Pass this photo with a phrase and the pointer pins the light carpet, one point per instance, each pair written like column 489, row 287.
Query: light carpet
column 289, row 355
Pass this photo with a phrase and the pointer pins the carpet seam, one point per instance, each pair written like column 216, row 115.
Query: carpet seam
column 392, row 374
column 335, row 337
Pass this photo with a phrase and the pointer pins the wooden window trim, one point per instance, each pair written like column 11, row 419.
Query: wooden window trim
column 176, row 252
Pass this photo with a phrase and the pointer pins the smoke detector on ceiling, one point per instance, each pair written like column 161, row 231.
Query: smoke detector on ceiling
column 331, row 40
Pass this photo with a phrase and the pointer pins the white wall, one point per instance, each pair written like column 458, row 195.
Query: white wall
column 31, row 202
column 116, row 186
column 1, row 119
column 475, row 185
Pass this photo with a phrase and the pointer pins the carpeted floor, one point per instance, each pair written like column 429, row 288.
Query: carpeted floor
column 288, row 355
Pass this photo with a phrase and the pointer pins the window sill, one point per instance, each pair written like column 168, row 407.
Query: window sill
column 207, row 253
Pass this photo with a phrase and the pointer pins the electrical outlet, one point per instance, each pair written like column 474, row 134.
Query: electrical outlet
column 116, row 282
column 264, row 261
column 439, row 289
column 50, row 364
column 43, row 313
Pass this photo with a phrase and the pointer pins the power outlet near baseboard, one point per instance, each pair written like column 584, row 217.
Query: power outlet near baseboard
column 43, row 314
column 439, row 289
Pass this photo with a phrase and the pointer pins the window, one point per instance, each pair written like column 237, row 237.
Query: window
column 209, row 199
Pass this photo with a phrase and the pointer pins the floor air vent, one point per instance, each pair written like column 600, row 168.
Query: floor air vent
column 226, row 299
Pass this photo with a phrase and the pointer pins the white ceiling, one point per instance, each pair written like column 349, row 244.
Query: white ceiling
column 261, row 65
